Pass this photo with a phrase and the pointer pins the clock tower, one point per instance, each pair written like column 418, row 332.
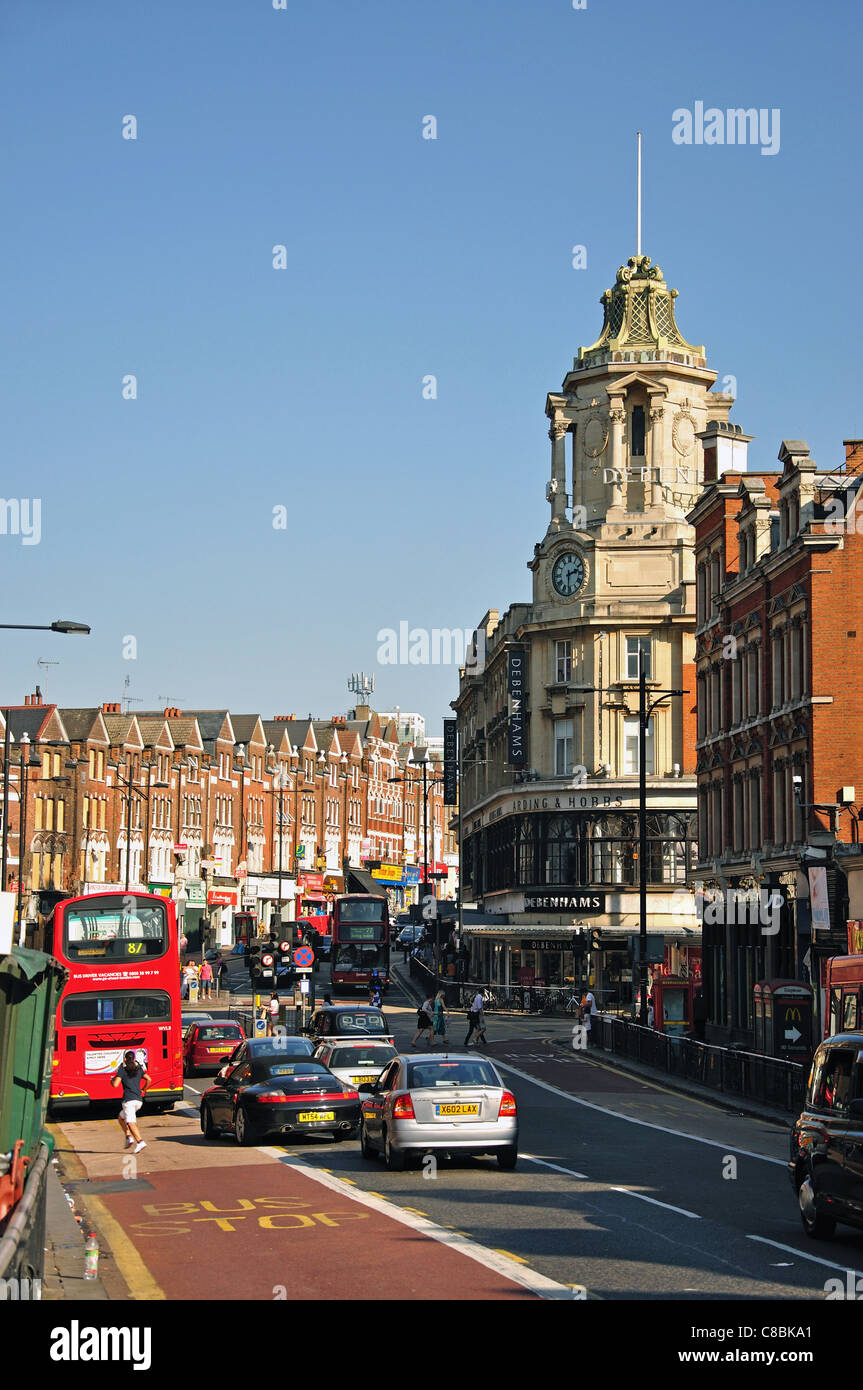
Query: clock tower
column 550, row 819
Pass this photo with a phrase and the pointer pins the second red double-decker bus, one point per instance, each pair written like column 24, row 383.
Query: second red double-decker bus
column 123, row 993
column 361, row 941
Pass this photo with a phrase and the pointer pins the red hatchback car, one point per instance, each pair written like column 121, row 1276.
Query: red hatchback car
column 207, row 1045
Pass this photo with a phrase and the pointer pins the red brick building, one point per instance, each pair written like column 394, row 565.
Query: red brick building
column 208, row 807
column 779, row 628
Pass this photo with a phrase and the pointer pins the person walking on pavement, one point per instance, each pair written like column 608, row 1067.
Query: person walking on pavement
column 273, row 1012
column 190, row 977
column 221, row 975
column 424, row 1022
column 474, row 1017
column 439, row 1026
column 206, row 979
column 131, row 1076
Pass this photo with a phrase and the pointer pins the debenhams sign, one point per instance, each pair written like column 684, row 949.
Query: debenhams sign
column 565, row 900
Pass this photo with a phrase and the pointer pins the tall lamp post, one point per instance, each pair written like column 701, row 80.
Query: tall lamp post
column 645, row 710
column 428, row 785
column 280, row 778
column 60, row 625
column 131, row 790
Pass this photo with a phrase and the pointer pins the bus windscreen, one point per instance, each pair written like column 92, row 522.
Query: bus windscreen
column 135, row 932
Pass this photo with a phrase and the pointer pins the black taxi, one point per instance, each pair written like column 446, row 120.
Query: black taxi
column 826, row 1162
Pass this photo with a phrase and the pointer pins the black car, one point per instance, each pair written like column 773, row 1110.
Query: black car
column 350, row 1021
column 282, row 1045
column 279, row 1096
column 826, row 1164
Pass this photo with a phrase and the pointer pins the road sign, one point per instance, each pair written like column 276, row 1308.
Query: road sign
column 304, row 957
column 284, row 946
column 303, row 970
column 260, row 1027
column 267, row 961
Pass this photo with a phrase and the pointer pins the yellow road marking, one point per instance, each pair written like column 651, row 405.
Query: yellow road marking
column 511, row 1256
column 416, row 1210
column 142, row 1286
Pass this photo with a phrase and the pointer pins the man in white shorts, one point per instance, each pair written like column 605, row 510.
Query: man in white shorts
column 131, row 1076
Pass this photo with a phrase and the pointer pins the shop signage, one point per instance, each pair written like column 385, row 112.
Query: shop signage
column 565, row 900
column 195, row 894
column 515, row 684
column 412, row 873
column 450, row 762
column 390, row 873
column 312, row 882
column 855, row 938
column 536, row 943
column 331, row 884
column 221, row 897
column 162, row 890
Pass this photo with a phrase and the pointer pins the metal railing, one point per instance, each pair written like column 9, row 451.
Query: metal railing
column 750, row 1075
column 552, row 1001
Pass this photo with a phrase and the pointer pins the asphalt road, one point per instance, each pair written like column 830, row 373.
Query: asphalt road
column 624, row 1189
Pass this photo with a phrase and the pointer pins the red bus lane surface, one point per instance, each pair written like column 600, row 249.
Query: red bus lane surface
column 248, row 1226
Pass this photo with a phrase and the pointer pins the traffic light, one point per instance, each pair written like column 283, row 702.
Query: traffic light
column 256, row 967
column 579, row 943
column 595, row 940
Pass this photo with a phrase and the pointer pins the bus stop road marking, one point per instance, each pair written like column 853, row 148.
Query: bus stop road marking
column 530, row 1279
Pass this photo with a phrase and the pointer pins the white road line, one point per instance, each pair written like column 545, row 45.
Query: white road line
column 516, row 1273
column 556, row 1166
column 801, row 1254
column 630, row 1119
column 192, row 1089
column 681, row 1211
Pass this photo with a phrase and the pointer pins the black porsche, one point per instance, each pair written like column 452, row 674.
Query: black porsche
column 279, row 1096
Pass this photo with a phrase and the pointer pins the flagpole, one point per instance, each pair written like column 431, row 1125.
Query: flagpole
column 638, row 184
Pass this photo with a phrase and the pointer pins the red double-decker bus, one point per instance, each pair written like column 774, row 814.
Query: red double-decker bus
column 123, row 993
column 361, row 941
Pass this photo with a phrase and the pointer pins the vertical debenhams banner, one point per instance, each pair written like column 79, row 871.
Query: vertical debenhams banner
column 515, row 674
column 450, row 762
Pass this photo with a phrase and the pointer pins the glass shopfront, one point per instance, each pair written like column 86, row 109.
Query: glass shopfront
column 531, row 851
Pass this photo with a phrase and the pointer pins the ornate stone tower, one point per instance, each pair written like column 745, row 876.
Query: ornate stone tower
column 626, row 466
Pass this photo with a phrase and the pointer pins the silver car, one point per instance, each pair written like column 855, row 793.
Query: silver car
column 354, row 1060
column 439, row 1102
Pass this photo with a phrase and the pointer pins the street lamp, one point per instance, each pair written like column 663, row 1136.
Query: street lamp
column 278, row 772
column 132, row 790
column 645, row 710
column 60, row 625
column 428, row 785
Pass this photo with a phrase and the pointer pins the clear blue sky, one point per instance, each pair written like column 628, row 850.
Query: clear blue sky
column 406, row 257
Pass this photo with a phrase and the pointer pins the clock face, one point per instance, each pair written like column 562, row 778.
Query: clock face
column 568, row 573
